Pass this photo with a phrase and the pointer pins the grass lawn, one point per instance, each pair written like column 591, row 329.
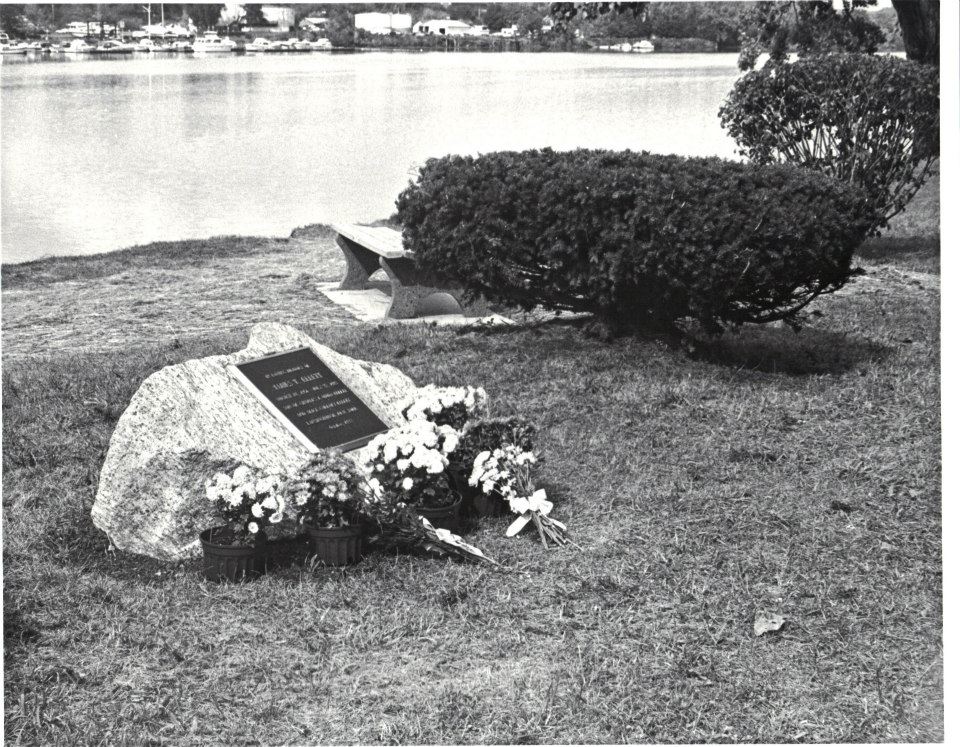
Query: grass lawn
column 765, row 471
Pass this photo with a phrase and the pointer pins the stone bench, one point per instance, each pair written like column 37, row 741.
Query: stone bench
column 367, row 249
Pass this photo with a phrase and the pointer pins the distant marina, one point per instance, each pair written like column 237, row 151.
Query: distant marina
column 207, row 43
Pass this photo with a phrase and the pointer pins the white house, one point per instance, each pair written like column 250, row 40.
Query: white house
column 383, row 23
column 443, row 27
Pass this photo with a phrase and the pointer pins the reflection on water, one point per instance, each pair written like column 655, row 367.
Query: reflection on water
column 102, row 154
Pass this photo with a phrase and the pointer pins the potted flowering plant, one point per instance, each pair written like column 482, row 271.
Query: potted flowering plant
column 487, row 435
column 247, row 500
column 326, row 496
column 508, row 472
column 410, row 461
column 446, row 405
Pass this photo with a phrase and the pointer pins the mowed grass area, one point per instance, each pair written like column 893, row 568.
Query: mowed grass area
column 765, row 471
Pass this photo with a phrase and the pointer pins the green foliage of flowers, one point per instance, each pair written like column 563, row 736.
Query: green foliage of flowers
column 641, row 240
column 870, row 121
column 327, row 491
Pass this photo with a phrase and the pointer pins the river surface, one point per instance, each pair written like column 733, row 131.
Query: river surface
column 102, row 154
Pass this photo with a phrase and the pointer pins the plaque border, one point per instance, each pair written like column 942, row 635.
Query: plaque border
column 304, row 440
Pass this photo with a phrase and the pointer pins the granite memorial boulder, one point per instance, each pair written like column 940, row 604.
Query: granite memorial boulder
column 190, row 420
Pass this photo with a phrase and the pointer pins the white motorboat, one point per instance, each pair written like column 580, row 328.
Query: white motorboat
column 259, row 45
column 109, row 46
column 296, row 45
column 211, row 42
column 7, row 46
column 643, row 47
column 78, row 46
column 322, row 45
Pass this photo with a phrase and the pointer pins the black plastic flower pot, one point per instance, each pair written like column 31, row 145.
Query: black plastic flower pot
column 338, row 545
column 232, row 563
column 443, row 517
column 485, row 505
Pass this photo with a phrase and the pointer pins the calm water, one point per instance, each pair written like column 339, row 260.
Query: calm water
column 104, row 154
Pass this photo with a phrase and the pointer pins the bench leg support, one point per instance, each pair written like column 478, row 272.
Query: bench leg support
column 406, row 293
column 361, row 264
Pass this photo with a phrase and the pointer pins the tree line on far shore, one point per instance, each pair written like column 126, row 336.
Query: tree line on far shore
column 726, row 24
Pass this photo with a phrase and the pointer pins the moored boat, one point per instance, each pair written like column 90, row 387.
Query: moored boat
column 113, row 47
column 259, row 45
column 78, row 46
column 8, row 46
column 211, row 42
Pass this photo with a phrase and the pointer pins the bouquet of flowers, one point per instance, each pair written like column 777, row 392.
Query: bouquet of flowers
column 326, row 492
column 446, row 405
column 246, row 499
column 488, row 435
column 400, row 526
column 508, row 472
column 410, row 461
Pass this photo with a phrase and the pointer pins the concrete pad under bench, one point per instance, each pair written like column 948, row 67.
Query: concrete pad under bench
column 371, row 305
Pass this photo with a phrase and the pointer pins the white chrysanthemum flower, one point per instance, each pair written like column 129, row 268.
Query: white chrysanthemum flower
column 270, row 502
column 253, row 527
column 402, row 464
column 407, row 483
column 236, row 497
column 450, row 443
column 257, row 510
column 241, row 474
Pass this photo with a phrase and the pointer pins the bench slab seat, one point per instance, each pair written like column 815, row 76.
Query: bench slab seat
column 368, row 249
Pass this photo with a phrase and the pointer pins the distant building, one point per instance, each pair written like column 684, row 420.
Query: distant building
column 85, row 28
column 278, row 18
column 316, row 24
column 281, row 16
column 156, row 29
column 383, row 23
column 443, row 27
column 509, row 31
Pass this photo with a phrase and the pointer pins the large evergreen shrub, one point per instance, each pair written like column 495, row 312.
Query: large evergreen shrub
column 641, row 240
column 873, row 121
